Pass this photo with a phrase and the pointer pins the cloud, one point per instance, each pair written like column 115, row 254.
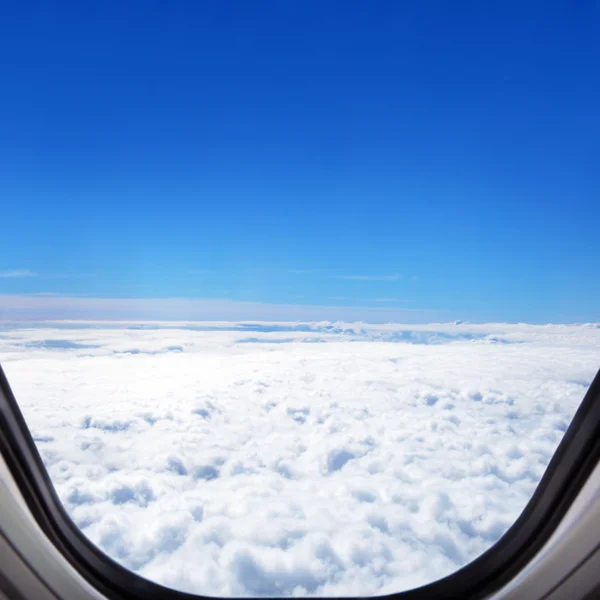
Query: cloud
column 17, row 273
column 15, row 307
column 369, row 301
column 28, row 273
column 45, row 294
column 280, row 466
column 198, row 271
column 295, row 271
column 392, row 277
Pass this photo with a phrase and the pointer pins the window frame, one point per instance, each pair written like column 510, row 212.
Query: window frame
column 574, row 460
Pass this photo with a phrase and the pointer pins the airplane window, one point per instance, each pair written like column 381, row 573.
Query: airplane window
column 298, row 298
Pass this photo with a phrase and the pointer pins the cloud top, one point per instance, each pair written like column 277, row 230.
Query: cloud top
column 270, row 458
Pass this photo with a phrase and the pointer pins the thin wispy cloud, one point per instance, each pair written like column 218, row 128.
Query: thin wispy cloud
column 293, row 271
column 27, row 306
column 22, row 273
column 66, row 275
column 369, row 301
column 17, row 273
column 390, row 277
column 198, row 271
column 57, row 295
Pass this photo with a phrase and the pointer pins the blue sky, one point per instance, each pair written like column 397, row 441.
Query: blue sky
column 391, row 156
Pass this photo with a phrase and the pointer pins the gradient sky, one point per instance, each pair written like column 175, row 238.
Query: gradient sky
column 407, row 155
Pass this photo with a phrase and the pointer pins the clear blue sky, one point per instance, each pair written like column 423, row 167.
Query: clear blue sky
column 412, row 155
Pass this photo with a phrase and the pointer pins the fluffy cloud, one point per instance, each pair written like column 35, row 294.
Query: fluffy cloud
column 270, row 458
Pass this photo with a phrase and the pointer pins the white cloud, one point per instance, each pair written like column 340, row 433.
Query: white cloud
column 392, row 277
column 17, row 273
column 248, row 459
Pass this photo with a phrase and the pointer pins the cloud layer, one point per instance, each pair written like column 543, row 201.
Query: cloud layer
column 249, row 459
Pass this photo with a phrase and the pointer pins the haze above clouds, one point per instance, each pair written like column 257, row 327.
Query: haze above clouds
column 250, row 459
